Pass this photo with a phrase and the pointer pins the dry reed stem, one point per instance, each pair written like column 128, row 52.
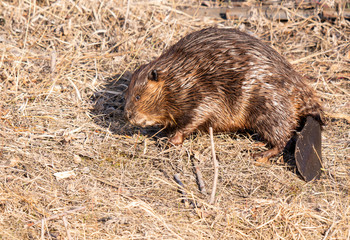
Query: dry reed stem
column 76, row 209
column 65, row 222
column 215, row 165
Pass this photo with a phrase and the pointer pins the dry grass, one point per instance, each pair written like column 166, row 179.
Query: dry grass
column 63, row 68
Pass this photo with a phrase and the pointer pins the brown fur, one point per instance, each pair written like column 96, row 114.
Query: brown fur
column 222, row 78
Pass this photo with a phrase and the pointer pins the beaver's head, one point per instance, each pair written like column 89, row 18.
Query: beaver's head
column 145, row 98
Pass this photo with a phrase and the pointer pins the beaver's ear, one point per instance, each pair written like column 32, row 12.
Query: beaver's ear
column 153, row 75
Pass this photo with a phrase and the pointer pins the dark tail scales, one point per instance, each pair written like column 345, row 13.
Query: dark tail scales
column 308, row 154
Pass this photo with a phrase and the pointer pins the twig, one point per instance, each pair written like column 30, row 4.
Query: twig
column 158, row 132
column 55, row 216
column 52, row 71
column 182, row 191
column 135, row 144
column 109, row 183
column 178, row 181
column 65, row 222
column 42, row 228
column 201, row 184
column 338, row 116
column 53, row 62
column 126, row 14
column 317, row 54
column 216, row 167
column 329, row 231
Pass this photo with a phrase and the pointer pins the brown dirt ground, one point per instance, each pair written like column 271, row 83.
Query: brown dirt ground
column 63, row 68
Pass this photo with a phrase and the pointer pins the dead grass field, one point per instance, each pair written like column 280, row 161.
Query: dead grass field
column 63, row 68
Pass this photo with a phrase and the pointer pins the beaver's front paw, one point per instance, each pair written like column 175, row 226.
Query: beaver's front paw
column 177, row 139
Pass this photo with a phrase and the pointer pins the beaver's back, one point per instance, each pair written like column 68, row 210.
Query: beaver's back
column 228, row 80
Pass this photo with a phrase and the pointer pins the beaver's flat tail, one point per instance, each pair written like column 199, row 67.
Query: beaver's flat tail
column 308, row 155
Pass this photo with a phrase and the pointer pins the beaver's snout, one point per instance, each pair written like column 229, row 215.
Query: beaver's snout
column 128, row 114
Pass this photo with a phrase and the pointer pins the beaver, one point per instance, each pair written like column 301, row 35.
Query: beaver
column 225, row 79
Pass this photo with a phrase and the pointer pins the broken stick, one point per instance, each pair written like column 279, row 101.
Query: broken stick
column 216, row 167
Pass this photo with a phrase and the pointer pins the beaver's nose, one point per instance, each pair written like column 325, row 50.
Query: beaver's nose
column 128, row 114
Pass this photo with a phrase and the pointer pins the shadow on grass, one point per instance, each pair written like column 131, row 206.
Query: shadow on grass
column 289, row 156
column 108, row 108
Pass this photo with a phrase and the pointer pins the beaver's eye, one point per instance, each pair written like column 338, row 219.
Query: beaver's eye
column 137, row 97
